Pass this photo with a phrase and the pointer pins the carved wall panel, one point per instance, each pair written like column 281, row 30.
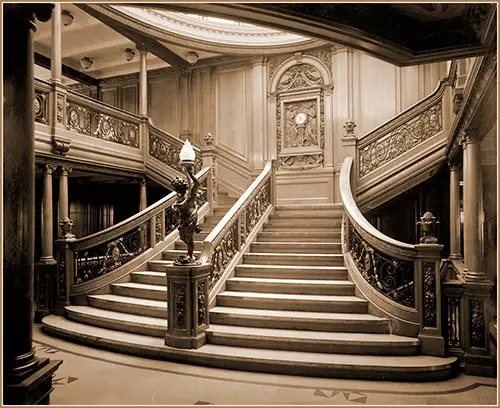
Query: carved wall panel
column 301, row 124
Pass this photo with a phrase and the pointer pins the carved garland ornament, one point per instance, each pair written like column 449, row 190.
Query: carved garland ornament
column 477, row 322
column 202, row 303
column 430, row 318
column 400, row 140
column 180, row 305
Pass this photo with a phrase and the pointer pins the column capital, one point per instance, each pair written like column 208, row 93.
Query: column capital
column 49, row 168
column 64, row 170
column 141, row 47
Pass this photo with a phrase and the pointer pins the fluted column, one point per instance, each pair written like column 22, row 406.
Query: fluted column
column 144, row 201
column 455, row 211
column 56, row 60
column 63, row 193
column 26, row 379
column 472, row 208
column 47, row 220
column 143, row 80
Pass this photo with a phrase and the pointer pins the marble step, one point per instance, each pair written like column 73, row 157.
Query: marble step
column 293, row 286
column 301, row 236
column 299, row 223
column 361, row 367
column 299, row 320
column 149, row 277
column 261, row 258
column 313, row 341
column 173, row 254
column 131, row 305
column 288, row 301
column 297, row 247
column 291, row 272
column 140, row 290
column 159, row 265
column 131, row 323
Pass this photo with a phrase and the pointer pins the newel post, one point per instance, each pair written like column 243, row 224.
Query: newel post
column 428, row 284
column 208, row 155
column 349, row 143
column 65, row 266
column 274, row 166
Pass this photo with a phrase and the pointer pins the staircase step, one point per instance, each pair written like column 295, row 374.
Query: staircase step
column 149, row 326
column 159, row 265
column 302, row 236
column 140, row 290
column 313, row 341
column 308, row 214
column 299, row 231
column 131, row 305
column 309, row 207
column 299, row 320
column 292, row 286
column 261, row 258
column 300, row 223
column 291, row 272
column 297, row 247
column 397, row 368
column 183, row 247
column 200, row 236
column 173, row 254
column 149, row 277
column 286, row 301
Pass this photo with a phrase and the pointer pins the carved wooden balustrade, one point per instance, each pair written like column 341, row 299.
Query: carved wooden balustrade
column 400, row 280
column 41, row 101
column 227, row 242
column 115, row 250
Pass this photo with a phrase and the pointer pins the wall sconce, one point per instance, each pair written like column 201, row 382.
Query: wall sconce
column 66, row 18
column 128, row 54
column 86, row 62
column 192, row 57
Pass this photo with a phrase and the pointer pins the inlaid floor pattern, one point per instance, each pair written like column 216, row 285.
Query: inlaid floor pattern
column 289, row 308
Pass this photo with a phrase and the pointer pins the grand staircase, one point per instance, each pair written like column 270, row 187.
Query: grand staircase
column 289, row 308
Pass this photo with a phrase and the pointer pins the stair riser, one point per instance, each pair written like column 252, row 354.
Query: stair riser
column 284, row 304
column 172, row 255
column 284, row 260
column 297, row 238
column 304, row 223
column 182, row 246
column 116, row 325
column 139, row 293
column 149, row 280
column 301, row 324
column 298, row 273
column 320, row 214
column 312, row 346
column 127, row 308
column 296, row 249
column 156, row 267
column 300, row 230
column 300, row 289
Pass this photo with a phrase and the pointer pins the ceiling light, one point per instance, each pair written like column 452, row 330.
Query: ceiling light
column 128, row 54
column 192, row 57
column 66, row 18
column 86, row 62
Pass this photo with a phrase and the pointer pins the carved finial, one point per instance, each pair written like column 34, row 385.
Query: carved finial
column 428, row 228
column 349, row 128
column 66, row 226
column 209, row 139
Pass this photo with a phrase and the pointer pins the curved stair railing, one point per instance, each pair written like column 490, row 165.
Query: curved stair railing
column 403, row 151
column 400, row 280
column 89, row 264
column 225, row 245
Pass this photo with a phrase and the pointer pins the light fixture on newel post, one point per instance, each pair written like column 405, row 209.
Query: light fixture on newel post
column 187, row 154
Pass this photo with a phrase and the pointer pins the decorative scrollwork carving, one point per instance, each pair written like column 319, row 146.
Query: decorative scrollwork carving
column 180, row 304
column 104, row 258
column 202, row 303
column 400, row 140
column 40, row 107
column 60, row 109
column 300, row 76
column 453, row 321
column 390, row 276
column 477, row 323
column 222, row 255
column 158, row 228
column 167, row 153
column 301, row 162
column 430, row 313
column 61, row 274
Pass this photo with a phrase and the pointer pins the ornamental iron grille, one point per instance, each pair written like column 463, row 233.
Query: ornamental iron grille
column 89, row 122
column 453, row 321
column 430, row 317
column 168, row 153
column 106, row 257
column 390, row 276
column 412, row 133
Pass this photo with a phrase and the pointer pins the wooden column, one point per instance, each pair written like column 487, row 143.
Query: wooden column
column 48, row 216
column 144, row 201
column 63, row 193
column 455, row 211
column 56, row 60
column 143, row 80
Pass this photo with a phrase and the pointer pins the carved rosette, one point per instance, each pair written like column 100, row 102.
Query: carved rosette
column 429, row 289
column 202, row 304
column 180, row 305
column 400, row 140
column 389, row 276
column 477, row 323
